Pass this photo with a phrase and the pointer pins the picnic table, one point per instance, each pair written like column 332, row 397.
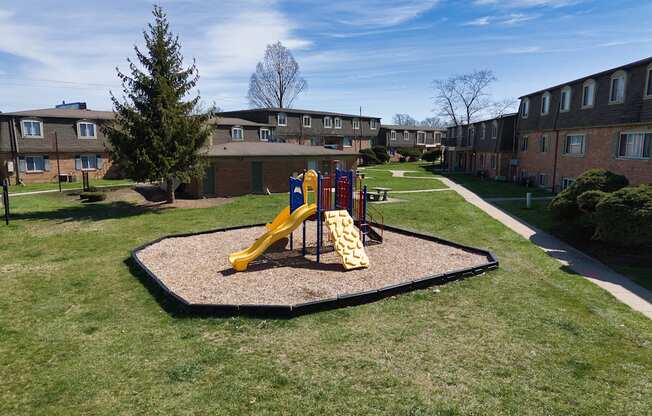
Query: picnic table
column 380, row 194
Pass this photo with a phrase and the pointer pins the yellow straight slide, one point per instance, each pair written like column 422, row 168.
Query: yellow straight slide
column 281, row 227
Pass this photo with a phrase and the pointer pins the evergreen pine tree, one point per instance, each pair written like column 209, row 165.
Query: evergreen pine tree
column 156, row 134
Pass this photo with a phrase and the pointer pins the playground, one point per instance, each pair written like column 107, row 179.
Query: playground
column 327, row 248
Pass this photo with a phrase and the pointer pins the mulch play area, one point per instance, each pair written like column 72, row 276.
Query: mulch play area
column 195, row 269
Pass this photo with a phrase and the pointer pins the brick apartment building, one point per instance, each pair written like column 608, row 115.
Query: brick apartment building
column 317, row 128
column 603, row 120
column 243, row 158
column 395, row 137
column 36, row 144
column 485, row 146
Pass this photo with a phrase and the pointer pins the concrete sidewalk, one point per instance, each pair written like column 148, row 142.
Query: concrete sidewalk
column 622, row 288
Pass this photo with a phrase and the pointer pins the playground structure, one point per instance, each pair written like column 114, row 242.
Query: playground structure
column 338, row 203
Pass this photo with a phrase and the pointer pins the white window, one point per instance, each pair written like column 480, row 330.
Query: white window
column 494, row 130
column 347, row 141
column 392, row 135
column 482, row 160
column 566, row 182
column 282, row 119
column 356, row 124
column 35, row 163
column 565, row 99
column 648, row 82
column 483, row 131
column 328, row 122
column 338, row 123
column 406, row 135
column 493, row 161
column 543, row 179
column 525, row 108
column 437, row 137
column 237, row 133
column 588, row 94
column 373, row 124
column 545, row 103
column 574, row 144
column 88, row 162
column 421, row 137
column 524, row 143
column 307, row 121
column 635, row 145
column 264, row 135
column 471, row 132
column 32, row 128
column 618, row 86
column 543, row 144
column 86, row 130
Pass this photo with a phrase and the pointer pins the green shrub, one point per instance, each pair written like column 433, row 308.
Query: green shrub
column 409, row 152
column 564, row 206
column 381, row 153
column 431, row 156
column 624, row 217
column 93, row 196
column 369, row 157
column 587, row 201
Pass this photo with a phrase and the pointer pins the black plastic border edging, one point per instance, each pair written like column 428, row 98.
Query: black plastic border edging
column 342, row 300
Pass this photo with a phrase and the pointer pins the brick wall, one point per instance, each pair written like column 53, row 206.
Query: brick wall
column 67, row 166
column 600, row 152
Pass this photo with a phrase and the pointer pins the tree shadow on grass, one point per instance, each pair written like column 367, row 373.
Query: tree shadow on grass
column 89, row 212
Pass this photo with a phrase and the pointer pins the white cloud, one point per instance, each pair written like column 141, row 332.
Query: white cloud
column 480, row 21
column 526, row 3
column 378, row 13
column 516, row 18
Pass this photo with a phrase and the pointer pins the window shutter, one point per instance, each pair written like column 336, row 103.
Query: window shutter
column 647, row 146
column 99, row 162
column 46, row 163
column 22, row 164
column 78, row 164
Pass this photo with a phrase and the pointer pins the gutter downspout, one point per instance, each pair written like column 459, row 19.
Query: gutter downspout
column 14, row 148
column 515, row 141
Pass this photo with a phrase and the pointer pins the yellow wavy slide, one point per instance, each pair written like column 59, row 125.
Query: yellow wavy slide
column 281, row 227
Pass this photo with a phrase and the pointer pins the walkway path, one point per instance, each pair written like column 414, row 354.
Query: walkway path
column 619, row 286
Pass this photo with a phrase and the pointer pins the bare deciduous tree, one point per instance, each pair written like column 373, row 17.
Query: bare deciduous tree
column 433, row 123
column 404, row 120
column 277, row 81
column 502, row 107
column 462, row 97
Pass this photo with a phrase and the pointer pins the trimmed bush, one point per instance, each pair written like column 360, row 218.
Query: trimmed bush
column 564, row 205
column 587, row 201
column 381, row 153
column 369, row 157
column 624, row 217
column 93, row 196
column 431, row 156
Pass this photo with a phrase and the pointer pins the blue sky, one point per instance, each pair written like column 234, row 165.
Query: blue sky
column 381, row 55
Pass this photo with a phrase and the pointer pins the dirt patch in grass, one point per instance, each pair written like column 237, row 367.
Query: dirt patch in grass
column 197, row 268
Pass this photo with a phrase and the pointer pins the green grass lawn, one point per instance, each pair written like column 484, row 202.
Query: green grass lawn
column 82, row 331
column 633, row 263
column 385, row 179
column 50, row 186
column 489, row 188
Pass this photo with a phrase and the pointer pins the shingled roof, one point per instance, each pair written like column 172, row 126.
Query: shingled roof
column 63, row 113
column 266, row 149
